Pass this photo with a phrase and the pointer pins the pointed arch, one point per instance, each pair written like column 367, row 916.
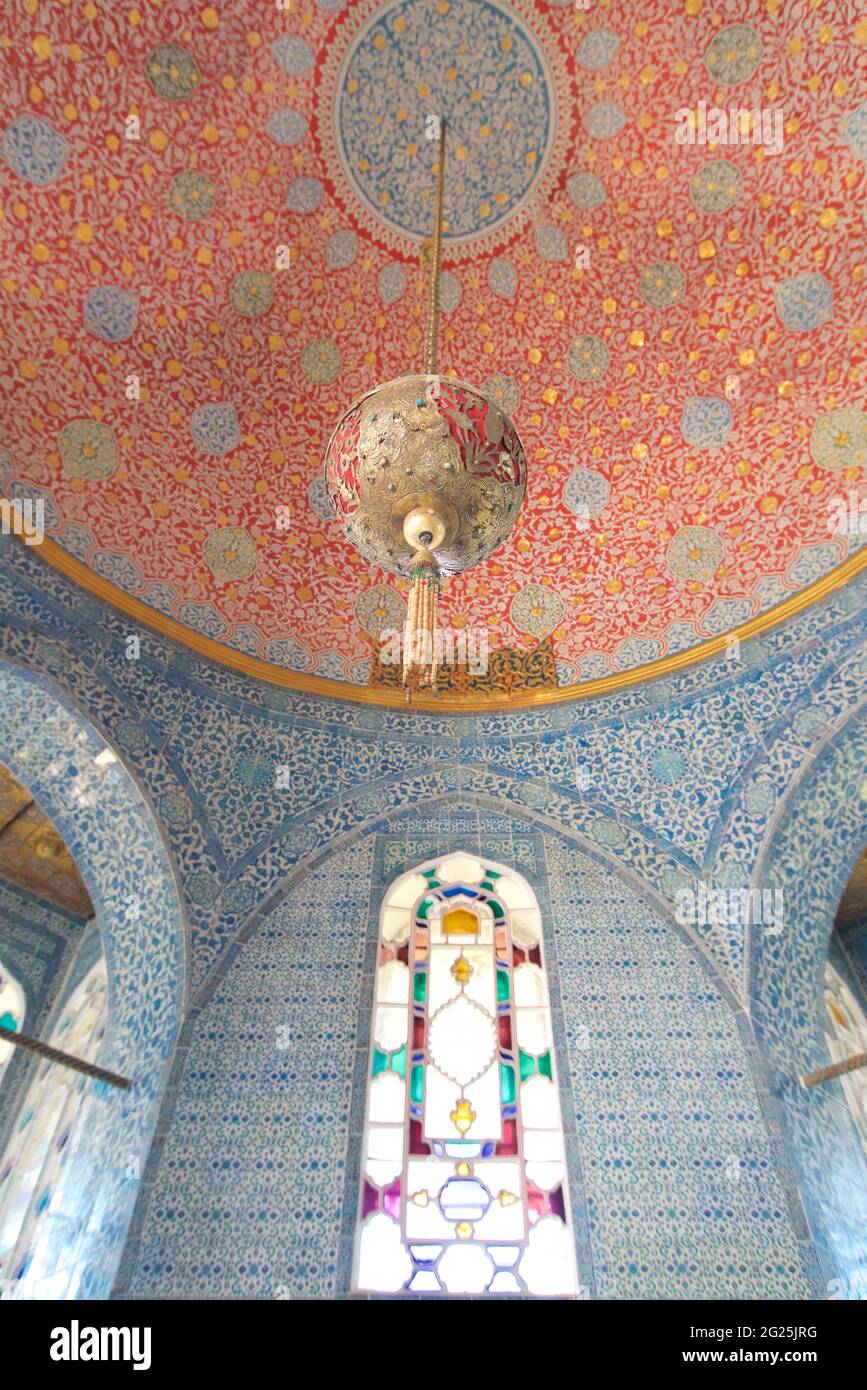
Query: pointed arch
column 91, row 797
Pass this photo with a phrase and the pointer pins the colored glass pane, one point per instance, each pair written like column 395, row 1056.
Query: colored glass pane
column 465, row 1176
column 508, row 1090
column 380, row 1062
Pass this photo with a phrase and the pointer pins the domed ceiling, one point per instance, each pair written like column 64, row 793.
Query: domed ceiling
column 213, row 241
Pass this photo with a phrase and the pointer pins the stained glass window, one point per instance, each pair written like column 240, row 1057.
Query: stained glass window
column 11, row 1013
column 846, row 1035
column 463, row 1182
column 45, row 1135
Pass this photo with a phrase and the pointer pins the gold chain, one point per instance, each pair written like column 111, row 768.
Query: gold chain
column 430, row 352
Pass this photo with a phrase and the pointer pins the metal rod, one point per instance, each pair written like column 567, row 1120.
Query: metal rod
column 54, row 1054
column 430, row 356
column 815, row 1078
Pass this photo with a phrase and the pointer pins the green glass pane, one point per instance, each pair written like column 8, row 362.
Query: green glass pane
column 545, row 1066
column 527, row 1064
column 492, row 873
column 488, row 886
column 502, row 985
column 434, row 883
column 398, row 1061
column 380, row 1062
column 495, row 908
column 507, row 1083
column 419, row 986
column 423, row 909
column 428, row 873
column 416, row 1084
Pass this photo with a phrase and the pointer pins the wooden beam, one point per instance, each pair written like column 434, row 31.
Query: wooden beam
column 815, row 1078
column 54, row 1054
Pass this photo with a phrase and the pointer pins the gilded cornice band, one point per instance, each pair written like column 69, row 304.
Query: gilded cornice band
column 258, row 669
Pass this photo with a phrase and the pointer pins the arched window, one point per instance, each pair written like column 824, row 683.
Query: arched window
column 12, row 1008
column 846, row 1035
column 463, row 1181
column 45, row 1136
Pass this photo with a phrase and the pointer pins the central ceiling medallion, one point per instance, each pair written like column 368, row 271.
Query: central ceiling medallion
column 481, row 67
column 427, row 476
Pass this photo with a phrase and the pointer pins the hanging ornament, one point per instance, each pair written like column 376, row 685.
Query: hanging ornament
column 427, row 476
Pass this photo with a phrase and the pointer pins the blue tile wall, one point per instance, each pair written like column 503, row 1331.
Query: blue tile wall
column 705, row 775
column 679, row 1181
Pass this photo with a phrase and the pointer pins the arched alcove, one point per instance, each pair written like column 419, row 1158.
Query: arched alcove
column 654, row 1053
column 811, row 847
column 98, row 809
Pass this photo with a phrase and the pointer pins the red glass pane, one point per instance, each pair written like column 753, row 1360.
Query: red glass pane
column 421, row 945
column 417, row 1034
column 391, row 1200
column 501, row 941
column 505, row 1032
column 536, row 956
column 518, row 956
column 385, row 955
column 535, row 1204
column 403, row 954
column 556, row 1203
column 508, row 1145
column 369, row 1199
column 417, row 1145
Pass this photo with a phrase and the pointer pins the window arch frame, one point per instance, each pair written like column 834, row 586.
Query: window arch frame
column 500, row 896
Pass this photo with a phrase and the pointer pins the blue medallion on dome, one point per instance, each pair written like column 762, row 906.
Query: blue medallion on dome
column 804, row 302
column 481, row 67
column 111, row 314
column 706, row 422
column 34, row 150
column 215, row 428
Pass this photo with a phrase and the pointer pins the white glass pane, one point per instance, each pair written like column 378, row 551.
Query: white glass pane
column 504, row 1282
column 383, row 1264
column 384, row 1154
column 542, row 1144
column 529, row 986
column 481, row 985
column 424, row 1281
column 395, row 925
column 406, row 891
column 465, row 1269
column 526, row 924
column 534, row 1031
column 387, row 1097
column 460, row 868
column 390, row 1030
column 504, row 1256
column 548, row 1266
column 392, row 983
column 462, row 1041
column 546, row 1176
column 540, row 1107
column 514, row 892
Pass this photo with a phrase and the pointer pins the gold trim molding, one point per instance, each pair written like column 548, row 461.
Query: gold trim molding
column 258, row 669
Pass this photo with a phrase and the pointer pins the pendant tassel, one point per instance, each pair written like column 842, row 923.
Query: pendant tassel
column 420, row 629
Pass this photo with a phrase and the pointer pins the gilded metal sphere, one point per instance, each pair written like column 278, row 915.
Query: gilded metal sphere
column 425, row 446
